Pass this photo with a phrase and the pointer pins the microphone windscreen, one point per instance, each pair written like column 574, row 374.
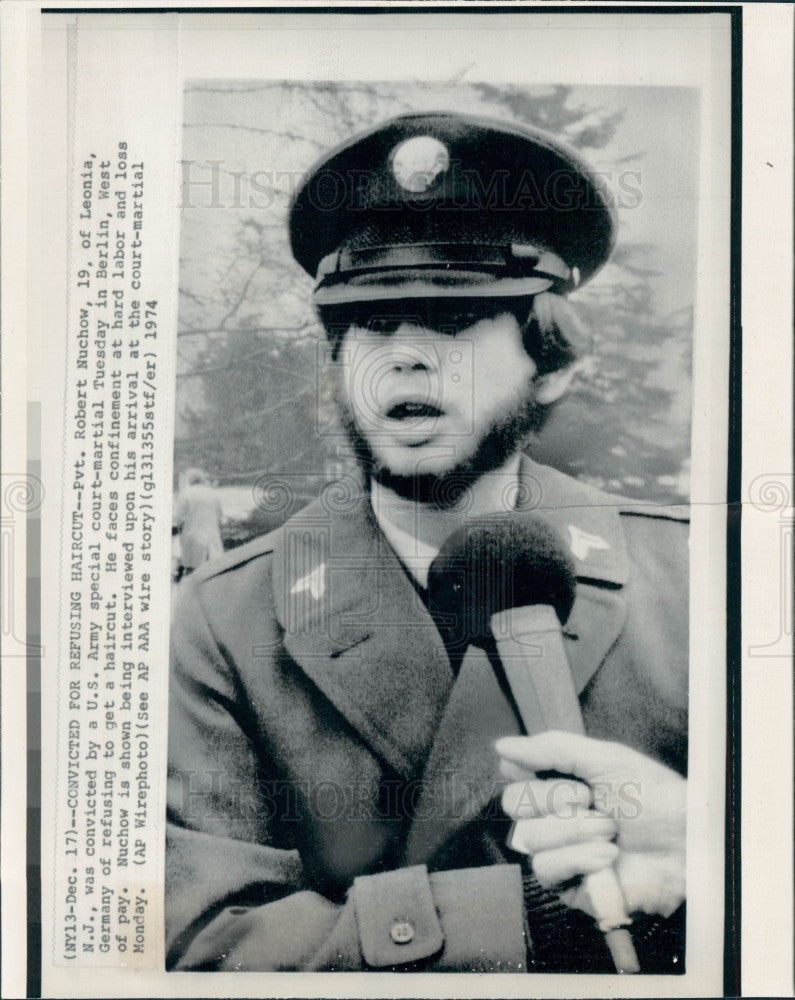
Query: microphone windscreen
column 496, row 563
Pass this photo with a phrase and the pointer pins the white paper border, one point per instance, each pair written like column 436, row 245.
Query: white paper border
column 601, row 49
column 767, row 204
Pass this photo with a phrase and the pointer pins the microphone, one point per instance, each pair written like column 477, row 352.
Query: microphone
column 508, row 580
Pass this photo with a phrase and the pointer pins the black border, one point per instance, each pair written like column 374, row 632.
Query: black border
column 732, row 918
column 733, row 878
column 477, row 7
column 33, row 573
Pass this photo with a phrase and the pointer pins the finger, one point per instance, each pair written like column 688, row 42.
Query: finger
column 555, row 866
column 568, row 753
column 563, row 797
column 652, row 883
column 533, row 836
column 514, row 772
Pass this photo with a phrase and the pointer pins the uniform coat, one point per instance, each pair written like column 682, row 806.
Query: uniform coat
column 324, row 758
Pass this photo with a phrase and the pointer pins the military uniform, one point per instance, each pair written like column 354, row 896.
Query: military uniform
column 322, row 754
column 333, row 784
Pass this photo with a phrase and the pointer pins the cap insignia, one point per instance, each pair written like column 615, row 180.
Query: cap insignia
column 417, row 163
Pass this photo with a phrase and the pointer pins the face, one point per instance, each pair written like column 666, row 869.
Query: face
column 422, row 405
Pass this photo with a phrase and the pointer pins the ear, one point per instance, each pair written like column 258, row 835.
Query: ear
column 550, row 387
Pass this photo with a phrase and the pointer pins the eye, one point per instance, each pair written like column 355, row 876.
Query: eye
column 383, row 326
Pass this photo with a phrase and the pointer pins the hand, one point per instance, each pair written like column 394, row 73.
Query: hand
column 626, row 810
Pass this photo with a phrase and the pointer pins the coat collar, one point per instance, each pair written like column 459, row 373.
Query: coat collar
column 355, row 624
column 586, row 519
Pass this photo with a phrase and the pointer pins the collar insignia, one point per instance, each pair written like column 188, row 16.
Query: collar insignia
column 314, row 582
column 582, row 542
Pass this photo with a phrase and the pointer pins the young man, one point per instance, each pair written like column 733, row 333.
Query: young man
column 343, row 781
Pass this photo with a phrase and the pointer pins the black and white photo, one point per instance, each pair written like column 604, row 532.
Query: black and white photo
column 388, row 373
column 454, row 672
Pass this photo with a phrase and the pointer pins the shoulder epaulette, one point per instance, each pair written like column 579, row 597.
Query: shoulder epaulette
column 665, row 512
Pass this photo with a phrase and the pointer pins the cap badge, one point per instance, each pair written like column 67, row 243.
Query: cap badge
column 417, row 163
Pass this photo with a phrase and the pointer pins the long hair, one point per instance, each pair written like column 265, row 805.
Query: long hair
column 551, row 332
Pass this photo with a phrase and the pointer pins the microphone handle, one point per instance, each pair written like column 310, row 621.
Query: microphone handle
column 530, row 646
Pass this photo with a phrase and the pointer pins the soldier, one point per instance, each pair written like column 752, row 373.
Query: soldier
column 343, row 778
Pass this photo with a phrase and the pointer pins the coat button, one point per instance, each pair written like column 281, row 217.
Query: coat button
column 402, row 932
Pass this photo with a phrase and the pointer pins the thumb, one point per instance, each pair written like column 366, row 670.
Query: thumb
column 567, row 753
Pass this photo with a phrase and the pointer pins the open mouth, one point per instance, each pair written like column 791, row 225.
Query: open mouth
column 413, row 411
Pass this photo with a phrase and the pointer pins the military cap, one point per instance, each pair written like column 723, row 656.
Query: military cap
column 442, row 204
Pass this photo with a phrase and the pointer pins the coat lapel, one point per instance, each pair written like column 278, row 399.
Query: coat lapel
column 588, row 523
column 462, row 773
column 357, row 627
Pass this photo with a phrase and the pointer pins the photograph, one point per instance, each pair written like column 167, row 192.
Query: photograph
column 399, row 383
column 429, row 671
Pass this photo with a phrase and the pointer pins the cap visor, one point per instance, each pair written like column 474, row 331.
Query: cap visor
column 392, row 289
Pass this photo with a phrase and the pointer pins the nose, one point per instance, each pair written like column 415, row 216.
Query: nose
column 412, row 350
column 403, row 365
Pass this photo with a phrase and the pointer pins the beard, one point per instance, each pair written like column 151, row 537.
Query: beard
column 507, row 433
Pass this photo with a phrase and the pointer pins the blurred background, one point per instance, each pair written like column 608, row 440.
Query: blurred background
column 252, row 410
